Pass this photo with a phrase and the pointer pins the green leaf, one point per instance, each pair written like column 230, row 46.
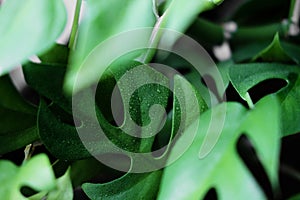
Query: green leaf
column 274, row 52
column 279, row 51
column 196, row 176
column 47, row 80
column 245, row 76
column 206, row 33
column 27, row 28
column 58, row 54
column 292, row 50
column 11, row 98
column 81, row 171
column 247, row 42
column 17, row 139
column 35, row 173
column 62, row 139
column 15, row 110
column 188, row 14
column 130, row 186
column 289, row 99
column 103, row 20
column 64, row 190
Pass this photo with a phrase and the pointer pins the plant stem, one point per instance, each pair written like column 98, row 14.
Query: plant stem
column 154, row 7
column 292, row 9
column 294, row 17
column 249, row 101
column 75, row 25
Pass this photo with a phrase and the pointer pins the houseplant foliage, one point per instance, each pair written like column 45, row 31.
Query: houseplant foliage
column 44, row 157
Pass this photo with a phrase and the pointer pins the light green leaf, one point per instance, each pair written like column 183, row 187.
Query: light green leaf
column 222, row 168
column 35, row 173
column 189, row 10
column 64, row 190
column 130, row 186
column 103, row 20
column 27, row 28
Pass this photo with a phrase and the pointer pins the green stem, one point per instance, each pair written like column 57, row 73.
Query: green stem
column 162, row 23
column 28, row 152
column 155, row 10
column 291, row 12
column 293, row 21
column 75, row 25
column 249, row 101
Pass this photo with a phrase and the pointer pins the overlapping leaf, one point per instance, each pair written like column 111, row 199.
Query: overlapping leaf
column 15, row 110
column 245, row 76
column 104, row 20
column 191, row 178
column 13, row 178
column 279, row 51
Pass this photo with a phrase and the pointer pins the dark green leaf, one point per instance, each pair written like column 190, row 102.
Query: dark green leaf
column 247, row 42
column 18, row 118
column 61, row 139
column 130, row 186
column 290, row 106
column 292, row 50
column 279, row 51
column 58, row 54
column 245, row 76
column 47, row 80
column 274, row 52
column 206, row 33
